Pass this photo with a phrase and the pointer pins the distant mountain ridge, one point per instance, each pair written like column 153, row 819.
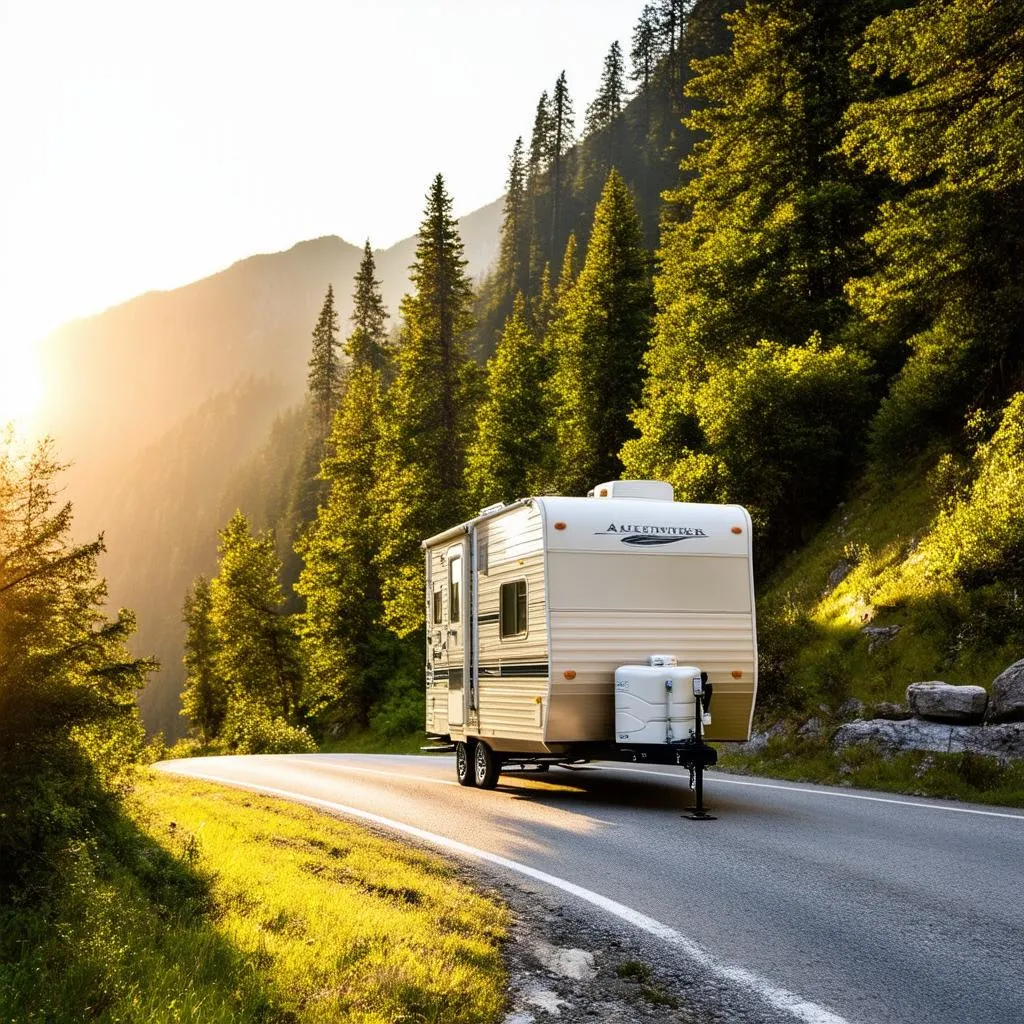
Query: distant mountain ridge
column 157, row 401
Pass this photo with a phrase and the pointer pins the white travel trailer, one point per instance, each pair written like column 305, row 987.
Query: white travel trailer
column 568, row 629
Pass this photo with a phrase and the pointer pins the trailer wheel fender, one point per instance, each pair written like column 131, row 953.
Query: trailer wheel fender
column 486, row 767
column 464, row 770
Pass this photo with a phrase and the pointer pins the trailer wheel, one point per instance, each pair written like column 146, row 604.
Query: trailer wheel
column 464, row 764
column 486, row 767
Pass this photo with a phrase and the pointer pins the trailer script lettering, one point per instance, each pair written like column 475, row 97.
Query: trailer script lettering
column 650, row 534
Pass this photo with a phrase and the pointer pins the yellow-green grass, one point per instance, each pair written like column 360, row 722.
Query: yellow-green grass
column 218, row 905
column 813, row 649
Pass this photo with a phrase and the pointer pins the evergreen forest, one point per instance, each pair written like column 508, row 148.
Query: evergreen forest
column 777, row 260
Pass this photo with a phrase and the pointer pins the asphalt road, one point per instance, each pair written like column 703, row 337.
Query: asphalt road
column 829, row 905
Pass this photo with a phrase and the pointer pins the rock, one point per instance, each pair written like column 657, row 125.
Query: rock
column 940, row 702
column 879, row 635
column 759, row 740
column 894, row 712
column 851, row 709
column 1007, row 704
column 1005, row 742
column 837, row 575
column 811, row 729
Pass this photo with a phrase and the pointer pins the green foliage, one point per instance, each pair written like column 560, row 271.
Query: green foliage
column 514, row 432
column 433, row 401
column 778, row 429
column 250, row 727
column 204, row 699
column 598, row 342
column 947, row 128
column 256, row 652
column 69, row 725
column 340, row 579
column 367, row 345
column 979, row 537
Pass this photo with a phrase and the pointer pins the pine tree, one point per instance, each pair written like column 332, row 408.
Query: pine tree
column 69, row 722
column 204, row 701
column 645, row 55
column 513, row 431
column 256, row 651
column 324, row 381
column 339, row 630
column 560, row 141
column 604, row 113
column 946, row 127
column 433, row 405
column 514, row 247
column 600, row 341
column 772, row 217
column 367, row 345
column 538, row 188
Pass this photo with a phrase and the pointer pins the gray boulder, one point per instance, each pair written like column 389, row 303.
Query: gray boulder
column 940, row 702
column 1007, row 704
column 1005, row 742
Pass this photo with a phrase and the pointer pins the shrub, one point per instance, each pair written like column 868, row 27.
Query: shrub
column 251, row 728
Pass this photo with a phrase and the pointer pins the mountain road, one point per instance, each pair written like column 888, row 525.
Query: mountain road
column 826, row 905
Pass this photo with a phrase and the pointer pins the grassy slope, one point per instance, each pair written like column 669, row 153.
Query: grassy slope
column 219, row 905
column 815, row 655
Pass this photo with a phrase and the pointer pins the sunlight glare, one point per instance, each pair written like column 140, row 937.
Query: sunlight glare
column 21, row 389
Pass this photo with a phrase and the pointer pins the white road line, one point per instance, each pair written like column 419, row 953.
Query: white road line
column 820, row 792
column 780, row 998
column 370, row 771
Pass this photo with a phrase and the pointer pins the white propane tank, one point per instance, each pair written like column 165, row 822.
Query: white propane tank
column 654, row 703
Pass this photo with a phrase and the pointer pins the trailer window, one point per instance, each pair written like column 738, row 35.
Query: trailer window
column 454, row 586
column 513, row 609
column 438, row 598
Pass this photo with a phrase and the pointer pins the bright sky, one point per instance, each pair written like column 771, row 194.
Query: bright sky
column 145, row 145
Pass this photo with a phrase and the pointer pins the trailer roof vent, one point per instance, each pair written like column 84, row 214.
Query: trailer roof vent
column 645, row 490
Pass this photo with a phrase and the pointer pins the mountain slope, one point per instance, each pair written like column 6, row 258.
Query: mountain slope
column 158, row 401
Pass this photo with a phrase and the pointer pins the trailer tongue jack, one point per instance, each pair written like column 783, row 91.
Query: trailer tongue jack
column 702, row 690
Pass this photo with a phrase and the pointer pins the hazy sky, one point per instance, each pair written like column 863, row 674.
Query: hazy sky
column 149, row 144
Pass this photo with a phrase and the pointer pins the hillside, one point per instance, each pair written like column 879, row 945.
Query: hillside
column 157, row 403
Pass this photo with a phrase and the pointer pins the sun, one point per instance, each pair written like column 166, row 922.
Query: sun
column 21, row 386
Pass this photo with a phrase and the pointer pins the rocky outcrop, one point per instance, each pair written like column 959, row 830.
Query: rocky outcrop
column 1007, row 704
column 941, row 702
column 892, row 711
column 1005, row 742
column 878, row 636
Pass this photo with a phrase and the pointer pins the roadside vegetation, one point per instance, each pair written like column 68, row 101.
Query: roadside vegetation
column 217, row 905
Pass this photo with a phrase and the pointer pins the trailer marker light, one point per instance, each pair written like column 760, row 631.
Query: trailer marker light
column 603, row 493
column 737, row 529
column 737, row 674
column 569, row 673
column 559, row 526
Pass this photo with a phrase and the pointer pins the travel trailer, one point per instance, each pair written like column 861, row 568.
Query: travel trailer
column 562, row 630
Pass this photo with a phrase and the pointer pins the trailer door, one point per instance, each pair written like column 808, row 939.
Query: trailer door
column 458, row 618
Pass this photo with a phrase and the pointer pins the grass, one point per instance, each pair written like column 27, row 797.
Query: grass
column 970, row 777
column 639, row 973
column 370, row 742
column 218, row 905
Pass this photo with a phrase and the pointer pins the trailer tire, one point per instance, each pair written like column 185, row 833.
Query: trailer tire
column 464, row 771
column 486, row 767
